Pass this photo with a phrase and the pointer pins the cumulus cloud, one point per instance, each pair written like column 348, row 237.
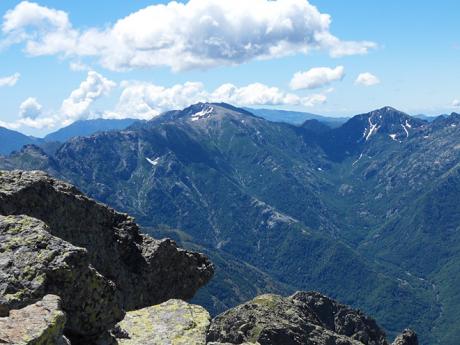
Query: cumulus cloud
column 195, row 34
column 253, row 94
column 10, row 80
column 456, row 103
column 77, row 105
column 30, row 115
column 316, row 77
column 367, row 79
column 28, row 13
column 146, row 100
column 30, row 109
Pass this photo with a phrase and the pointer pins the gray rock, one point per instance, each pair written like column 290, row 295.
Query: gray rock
column 303, row 318
column 408, row 337
column 41, row 323
column 146, row 271
column 33, row 263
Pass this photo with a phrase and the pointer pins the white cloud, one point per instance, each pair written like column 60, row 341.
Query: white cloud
column 253, row 94
column 78, row 66
column 145, row 100
column 78, row 104
column 41, row 122
column 315, row 99
column 30, row 109
column 367, row 79
column 10, row 80
column 316, row 77
column 29, row 13
column 196, row 34
column 456, row 103
column 30, row 115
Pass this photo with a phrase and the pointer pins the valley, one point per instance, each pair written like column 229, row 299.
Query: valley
column 366, row 212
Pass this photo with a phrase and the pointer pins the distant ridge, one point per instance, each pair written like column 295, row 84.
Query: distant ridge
column 84, row 128
column 296, row 117
column 12, row 140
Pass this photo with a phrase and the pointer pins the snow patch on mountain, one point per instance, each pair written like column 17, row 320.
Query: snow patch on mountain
column 405, row 129
column 373, row 128
column 154, row 162
column 204, row 113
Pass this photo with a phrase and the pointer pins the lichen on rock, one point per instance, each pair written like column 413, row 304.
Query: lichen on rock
column 55, row 240
column 41, row 323
column 146, row 271
column 174, row 322
column 34, row 263
column 303, row 318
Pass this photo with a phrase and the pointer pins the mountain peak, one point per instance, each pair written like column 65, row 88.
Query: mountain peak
column 388, row 112
column 388, row 108
column 390, row 121
column 205, row 110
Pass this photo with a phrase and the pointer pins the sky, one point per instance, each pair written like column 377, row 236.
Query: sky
column 62, row 61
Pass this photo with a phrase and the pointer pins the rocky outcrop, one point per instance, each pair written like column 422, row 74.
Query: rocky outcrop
column 34, row 263
column 340, row 318
column 408, row 337
column 146, row 271
column 303, row 318
column 54, row 240
column 172, row 322
column 39, row 323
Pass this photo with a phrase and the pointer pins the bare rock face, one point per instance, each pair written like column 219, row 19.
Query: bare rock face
column 39, row 323
column 145, row 271
column 34, row 263
column 408, row 337
column 303, row 318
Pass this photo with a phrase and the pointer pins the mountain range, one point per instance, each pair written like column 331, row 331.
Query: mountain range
column 296, row 117
column 12, row 140
column 366, row 212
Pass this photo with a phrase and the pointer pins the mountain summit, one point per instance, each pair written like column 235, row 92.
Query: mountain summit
column 390, row 121
column 387, row 123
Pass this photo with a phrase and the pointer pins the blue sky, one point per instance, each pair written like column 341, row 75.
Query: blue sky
column 61, row 61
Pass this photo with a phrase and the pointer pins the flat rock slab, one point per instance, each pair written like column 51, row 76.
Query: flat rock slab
column 174, row 322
